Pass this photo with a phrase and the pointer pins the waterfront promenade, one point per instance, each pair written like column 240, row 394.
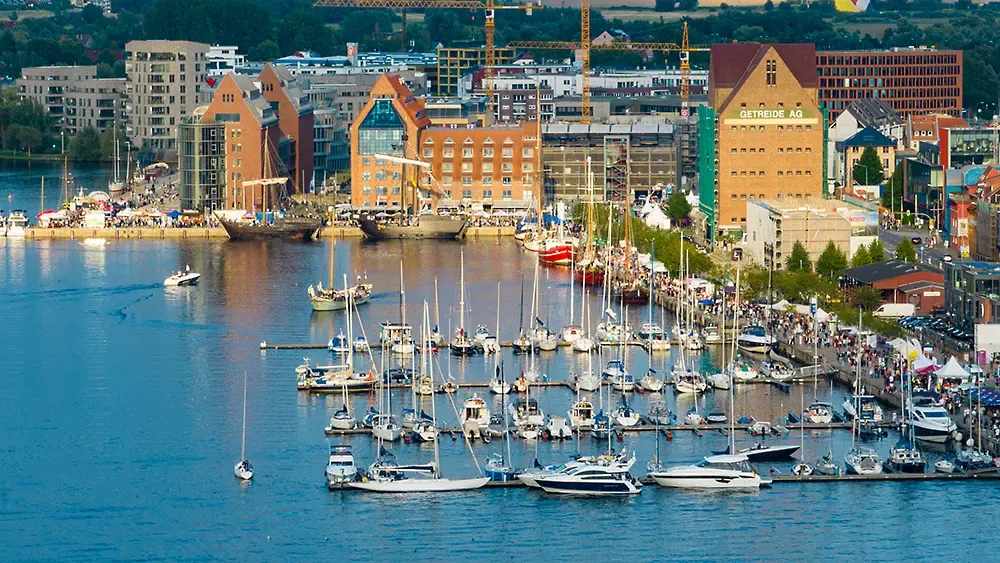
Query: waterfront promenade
column 162, row 233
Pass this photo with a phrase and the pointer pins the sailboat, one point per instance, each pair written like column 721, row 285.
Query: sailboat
column 498, row 467
column 589, row 269
column 398, row 337
column 860, row 460
column 385, row 475
column 331, row 299
column 498, row 384
column 802, row 468
column 116, row 185
column 541, row 336
column 905, row 457
column 650, row 331
column 243, row 469
column 461, row 344
column 583, row 341
column 722, row 380
column 572, row 332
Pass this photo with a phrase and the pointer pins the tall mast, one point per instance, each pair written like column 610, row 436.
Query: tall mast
column 572, row 268
column 333, row 247
column 732, row 393
column 402, row 296
column 538, row 150
column 437, row 314
column 350, row 337
column 590, row 212
column 461, row 297
column 652, row 272
column 243, row 446
column 430, row 360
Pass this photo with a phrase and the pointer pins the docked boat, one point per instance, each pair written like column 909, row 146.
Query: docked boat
column 340, row 469
column 819, row 413
column 778, row 371
column 693, row 417
column 545, row 339
column 385, row 428
column 865, row 404
column 526, row 412
column 342, row 419
column 497, row 469
column 498, row 384
column 287, row 227
column 742, row 370
column 623, row 382
column 625, row 415
column 689, row 381
column 556, row 252
column 974, row 460
column 462, row 344
column 649, row 330
column 711, row 335
column 762, row 452
column 863, row 461
column 601, row 427
column 825, row 465
column 557, row 428
column 660, row 415
column 361, row 344
column 713, row 472
column 693, row 341
column 588, row 381
column 719, row 381
column 420, row 227
column 614, row 369
column 385, row 475
column 474, row 416
column 581, row 414
column 944, row 466
column 930, row 421
column 592, row 479
column 755, row 339
column 650, row 382
column 611, row 334
column 904, row 457
column 339, row 344
column 336, row 299
column 179, row 278
column 584, row 343
column 17, row 224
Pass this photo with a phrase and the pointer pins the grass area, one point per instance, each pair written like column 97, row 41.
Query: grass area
column 27, row 14
column 633, row 14
column 876, row 26
column 11, row 155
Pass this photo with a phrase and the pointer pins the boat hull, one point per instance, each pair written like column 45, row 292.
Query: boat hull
column 427, row 227
column 771, row 453
column 596, row 487
column 420, row 485
column 707, row 480
column 295, row 229
column 592, row 276
column 561, row 255
column 321, row 304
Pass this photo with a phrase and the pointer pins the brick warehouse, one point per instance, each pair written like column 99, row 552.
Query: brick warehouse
column 763, row 134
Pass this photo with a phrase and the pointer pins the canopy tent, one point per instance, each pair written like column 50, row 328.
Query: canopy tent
column 644, row 260
column 128, row 213
column 923, row 365
column 952, row 370
column 988, row 397
column 653, row 216
column 780, row 305
column 907, row 348
column 173, row 214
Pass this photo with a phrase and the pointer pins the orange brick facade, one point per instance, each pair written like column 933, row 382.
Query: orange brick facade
column 296, row 121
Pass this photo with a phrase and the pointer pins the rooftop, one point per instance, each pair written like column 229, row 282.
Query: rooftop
column 874, row 112
column 731, row 61
column 869, row 136
column 880, row 271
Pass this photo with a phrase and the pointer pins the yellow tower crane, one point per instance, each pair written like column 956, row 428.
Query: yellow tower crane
column 488, row 6
column 585, row 47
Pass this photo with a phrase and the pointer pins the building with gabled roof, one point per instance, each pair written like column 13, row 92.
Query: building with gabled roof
column 295, row 119
column 927, row 128
column 850, row 150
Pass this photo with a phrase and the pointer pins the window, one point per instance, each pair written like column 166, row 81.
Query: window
column 449, row 153
column 527, row 153
column 446, row 180
column 798, row 149
column 507, row 194
column 466, row 180
column 743, row 173
column 487, row 194
column 428, row 153
column 798, row 172
column 809, row 127
column 753, row 151
column 743, row 127
column 734, row 196
column 526, row 181
column 761, row 127
column 743, row 196
column 366, row 176
column 466, row 194
column 446, row 167
column 734, row 128
column 395, row 190
column 507, row 181
column 753, row 173
column 467, row 153
column 487, row 167
column 508, row 153
column 488, row 153
column 507, row 167
column 743, row 151
column 772, row 72
column 761, row 150
column 488, row 181
column 761, row 173
column 733, row 150
column 526, row 167
column 781, row 127
column 466, row 167
column 780, row 173
column 366, row 161
column 753, row 127
column 809, row 173
column 808, row 149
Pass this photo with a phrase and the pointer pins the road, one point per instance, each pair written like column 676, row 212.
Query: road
column 933, row 257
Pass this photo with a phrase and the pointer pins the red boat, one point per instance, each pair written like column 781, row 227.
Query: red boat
column 593, row 276
column 557, row 255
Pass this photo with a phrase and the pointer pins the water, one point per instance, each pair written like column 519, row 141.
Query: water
column 21, row 183
column 121, row 419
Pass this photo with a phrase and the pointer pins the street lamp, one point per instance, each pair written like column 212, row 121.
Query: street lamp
column 62, row 142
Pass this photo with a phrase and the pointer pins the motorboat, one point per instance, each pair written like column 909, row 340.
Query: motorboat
column 716, row 418
column 731, row 471
column 614, row 369
column 863, row 461
column 179, row 278
column 974, row 460
column 755, row 339
column 588, row 381
column 592, row 479
column 474, row 416
column 904, row 457
column 742, row 370
column 711, row 335
column 931, row 422
column 802, row 469
column 650, row 382
column 601, row 426
column 660, row 415
column 719, row 381
column 581, row 414
column 869, row 408
column 397, row 337
column 526, row 411
column 95, row 242
column 482, row 335
column 778, row 371
column 762, row 452
column 385, row 428
column 649, row 330
column 625, row 415
column 819, row 413
column 557, row 428
column 339, row 344
column 361, row 344
column 944, row 466
column 528, row 476
column 340, row 469
column 17, row 224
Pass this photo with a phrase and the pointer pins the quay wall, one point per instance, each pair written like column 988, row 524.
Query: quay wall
column 38, row 233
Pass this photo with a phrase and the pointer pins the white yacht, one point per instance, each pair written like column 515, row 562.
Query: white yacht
column 385, row 428
column 187, row 277
column 475, row 416
column 755, row 339
column 931, row 422
column 588, row 381
column 688, row 381
column 17, row 224
column 581, row 414
column 778, row 371
column 592, row 479
column 863, row 461
column 868, row 406
column 819, row 413
column 650, row 382
column 340, row 469
column 711, row 335
column 557, row 427
column 714, row 472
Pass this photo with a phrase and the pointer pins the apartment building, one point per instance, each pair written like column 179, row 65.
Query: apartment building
column 74, row 96
column 164, row 79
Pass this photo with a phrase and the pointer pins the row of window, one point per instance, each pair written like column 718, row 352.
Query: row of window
column 781, row 150
column 782, row 128
column 780, row 173
column 468, row 153
column 466, row 194
column 486, row 180
column 882, row 82
column 917, row 58
column 779, row 196
column 487, row 167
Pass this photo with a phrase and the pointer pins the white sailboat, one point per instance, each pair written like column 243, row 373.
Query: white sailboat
column 243, row 470
column 116, row 185
column 461, row 344
column 860, row 460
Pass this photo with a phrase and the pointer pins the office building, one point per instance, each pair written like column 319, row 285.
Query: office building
column 911, row 80
column 223, row 59
column 295, row 119
column 164, row 79
column 972, row 293
column 774, row 226
column 74, row 97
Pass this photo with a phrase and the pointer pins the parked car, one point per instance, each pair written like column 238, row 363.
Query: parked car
column 891, row 310
column 916, row 241
column 946, row 258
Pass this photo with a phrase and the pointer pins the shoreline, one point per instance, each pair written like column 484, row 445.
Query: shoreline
column 173, row 233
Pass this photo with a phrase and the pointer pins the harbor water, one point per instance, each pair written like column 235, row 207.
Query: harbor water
column 122, row 403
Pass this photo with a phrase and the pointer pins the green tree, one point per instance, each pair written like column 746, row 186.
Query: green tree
column 861, row 257
column 10, row 135
column 105, row 71
column 867, row 297
column 980, row 83
column 876, row 252
column 769, row 5
column 831, row 262
column 267, row 50
column 304, row 31
column 678, row 206
column 799, row 260
column 107, row 143
column 106, row 57
column 28, row 138
column 86, row 145
column 665, row 5
column 892, row 192
column 868, row 170
column 905, row 251
column 91, row 13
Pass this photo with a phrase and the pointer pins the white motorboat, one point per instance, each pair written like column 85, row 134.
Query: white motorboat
column 650, row 330
column 802, row 469
column 592, row 479
column 714, row 472
column 588, row 381
column 361, row 344
column 711, row 335
column 186, row 277
column 95, row 242
column 650, row 382
column 868, row 406
column 693, row 341
column 572, row 333
column 931, row 422
column 557, row 427
column 944, row 466
column 474, row 416
column 17, row 224
column 755, row 339
column 581, row 414
column 819, row 413
column 526, row 412
column 863, row 461
column 386, row 476
column 340, row 469
column 778, row 371
column 385, row 428
column 719, row 381
column 482, row 334
column 339, row 344
column 614, row 369
column 689, row 381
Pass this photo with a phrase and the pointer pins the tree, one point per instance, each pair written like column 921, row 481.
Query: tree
column 10, row 135
column 868, row 169
column 867, row 297
column 86, row 145
column 892, row 194
column 91, row 13
column 678, row 206
column 105, row 71
column 799, row 260
column 876, row 252
column 905, row 251
column 769, row 5
column 107, row 143
column 979, row 83
column 861, row 257
column 29, row 138
column 267, row 50
column 665, row 5
column 305, row 31
column 106, row 57
column 831, row 262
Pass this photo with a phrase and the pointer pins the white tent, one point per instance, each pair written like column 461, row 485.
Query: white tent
column 821, row 315
column 952, row 370
column 922, row 363
column 654, row 217
column 905, row 347
column 780, row 305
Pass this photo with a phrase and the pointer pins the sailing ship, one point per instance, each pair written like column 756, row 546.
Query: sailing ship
column 331, row 299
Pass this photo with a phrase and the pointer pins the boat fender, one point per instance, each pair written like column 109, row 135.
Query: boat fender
column 670, row 436
column 406, row 439
column 753, row 432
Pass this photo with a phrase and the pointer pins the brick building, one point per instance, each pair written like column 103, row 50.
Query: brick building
column 295, row 119
column 900, row 282
column 763, row 135
column 912, row 81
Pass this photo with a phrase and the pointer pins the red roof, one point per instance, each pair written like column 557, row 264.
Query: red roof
column 731, row 61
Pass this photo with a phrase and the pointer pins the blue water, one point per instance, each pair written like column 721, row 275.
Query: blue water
column 21, row 183
column 121, row 404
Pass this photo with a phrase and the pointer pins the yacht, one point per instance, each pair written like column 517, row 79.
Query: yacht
column 623, row 382
column 581, row 414
column 178, row 278
column 592, row 479
column 341, row 469
column 625, row 415
column 526, row 412
column 583, row 343
column 904, row 457
column 761, row 452
column 385, row 428
column 819, row 413
column 339, row 344
column 688, row 381
column 659, row 414
column 719, row 381
column 17, row 224
column 475, row 416
column 742, row 370
column 931, row 422
column 778, row 371
column 650, row 330
column 869, row 408
column 650, row 382
column 713, row 472
column 557, row 427
column 863, row 461
column 614, row 369
column 755, row 339
column 711, row 335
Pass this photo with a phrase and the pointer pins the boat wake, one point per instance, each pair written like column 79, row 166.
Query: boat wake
column 121, row 314
column 78, row 291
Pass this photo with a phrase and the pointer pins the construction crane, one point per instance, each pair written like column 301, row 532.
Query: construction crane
column 489, row 6
column 585, row 47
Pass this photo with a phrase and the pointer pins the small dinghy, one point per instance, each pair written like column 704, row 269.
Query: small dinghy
column 944, row 466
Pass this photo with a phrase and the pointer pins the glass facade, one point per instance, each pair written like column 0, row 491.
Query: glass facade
column 381, row 132
column 202, row 165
